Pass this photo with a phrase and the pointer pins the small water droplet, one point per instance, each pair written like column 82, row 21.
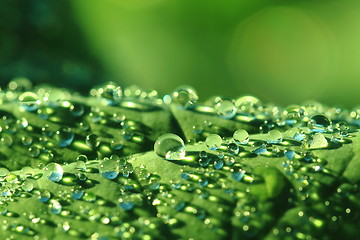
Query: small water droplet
column 92, row 140
column 110, row 94
column 116, row 143
column 43, row 195
column 170, row 146
column 318, row 141
column 274, row 136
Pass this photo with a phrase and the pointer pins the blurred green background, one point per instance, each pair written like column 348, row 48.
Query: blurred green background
column 283, row 51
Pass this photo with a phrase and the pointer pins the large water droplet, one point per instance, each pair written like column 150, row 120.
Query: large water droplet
column 225, row 108
column 54, row 172
column 318, row 141
column 110, row 94
column 117, row 144
column 319, row 123
column 55, row 207
column 43, row 195
column 92, row 140
column 241, row 136
column 109, row 169
column 29, row 101
column 274, row 136
column 170, row 146
column 213, row 141
column 64, row 136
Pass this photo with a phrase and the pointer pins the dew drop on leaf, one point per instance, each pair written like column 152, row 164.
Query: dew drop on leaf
column 241, row 136
column 54, row 172
column 92, row 141
column 318, row 141
column 274, row 136
column 213, row 141
column 184, row 96
column 64, row 136
column 109, row 169
column 319, row 123
column 29, row 101
column 225, row 108
column 170, row 147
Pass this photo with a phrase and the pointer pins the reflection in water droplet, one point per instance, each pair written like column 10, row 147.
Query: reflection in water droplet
column 274, row 136
column 170, row 146
column 92, row 140
column 64, row 136
column 241, row 136
column 225, row 108
column 213, row 141
column 319, row 123
column 55, row 206
column 29, row 101
column 43, row 195
column 109, row 169
column 54, row 172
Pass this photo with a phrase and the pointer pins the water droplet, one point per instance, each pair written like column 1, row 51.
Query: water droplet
column 218, row 164
column 233, row 149
column 6, row 140
column 34, row 151
column 28, row 185
column 109, row 169
column 184, row 96
column 238, row 175
column 319, row 123
column 54, row 172
column 289, row 154
column 241, row 136
column 170, row 146
column 26, row 140
column 55, row 206
column 82, row 158
column 318, row 141
column 77, row 193
column 77, row 110
column 80, row 165
column 213, row 141
column 197, row 129
column 116, row 143
column 64, row 136
column 274, row 136
column 29, row 101
column 43, row 195
column 92, row 140
column 110, row 94
column 226, row 108
column 4, row 172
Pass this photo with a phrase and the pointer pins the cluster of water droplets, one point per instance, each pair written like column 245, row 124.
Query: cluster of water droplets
column 73, row 144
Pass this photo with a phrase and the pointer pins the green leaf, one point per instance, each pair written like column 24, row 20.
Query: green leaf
column 258, row 192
